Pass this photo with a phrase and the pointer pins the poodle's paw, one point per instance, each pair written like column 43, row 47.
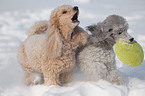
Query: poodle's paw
column 52, row 82
column 117, row 80
column 33, row 79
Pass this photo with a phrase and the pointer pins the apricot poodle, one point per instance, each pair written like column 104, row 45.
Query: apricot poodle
column 51, row 56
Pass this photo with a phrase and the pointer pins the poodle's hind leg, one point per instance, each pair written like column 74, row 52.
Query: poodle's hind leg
column 66, row 77
column 33, row 78
column 30, row 77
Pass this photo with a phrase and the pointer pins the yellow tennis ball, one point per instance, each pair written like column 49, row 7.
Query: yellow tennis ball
column 130, row 54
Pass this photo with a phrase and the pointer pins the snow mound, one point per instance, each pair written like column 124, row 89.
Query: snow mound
column 88, row 89
column 137, row 87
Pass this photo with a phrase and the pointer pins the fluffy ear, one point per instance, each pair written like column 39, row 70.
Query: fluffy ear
column 53, row 40
column 94, row 29
column 91, row 28
column 79, row 37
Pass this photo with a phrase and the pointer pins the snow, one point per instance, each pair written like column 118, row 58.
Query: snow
column 83, row 90
column 16, row 17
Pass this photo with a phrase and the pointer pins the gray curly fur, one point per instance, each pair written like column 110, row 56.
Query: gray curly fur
column 97, row 58
column 102, row 33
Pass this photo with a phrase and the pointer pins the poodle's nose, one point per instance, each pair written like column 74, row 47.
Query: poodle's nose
column 76, row 8
column 131, row 39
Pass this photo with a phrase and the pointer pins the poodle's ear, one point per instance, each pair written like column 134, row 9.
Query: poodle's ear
column 91, row 28
column 79, row 37
column 95, row 29
column 53, row 40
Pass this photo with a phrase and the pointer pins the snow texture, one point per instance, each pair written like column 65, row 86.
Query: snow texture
column 17, row 16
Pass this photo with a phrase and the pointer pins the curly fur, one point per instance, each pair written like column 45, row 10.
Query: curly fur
column 51, row 57
column 97, row 58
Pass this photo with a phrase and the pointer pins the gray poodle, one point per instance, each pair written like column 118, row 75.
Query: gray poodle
column 97, row 58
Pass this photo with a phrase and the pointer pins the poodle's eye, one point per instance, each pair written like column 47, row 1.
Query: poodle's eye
column 64, row 12
column 120, row 33
column 110, row 30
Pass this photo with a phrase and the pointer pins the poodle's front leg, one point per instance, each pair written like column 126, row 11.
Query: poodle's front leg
column 114, row 77
column 50, row 76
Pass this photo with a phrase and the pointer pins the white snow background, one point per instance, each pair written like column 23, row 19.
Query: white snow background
column 17, row 16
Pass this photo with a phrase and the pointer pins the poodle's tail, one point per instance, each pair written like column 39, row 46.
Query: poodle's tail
column 38, row 28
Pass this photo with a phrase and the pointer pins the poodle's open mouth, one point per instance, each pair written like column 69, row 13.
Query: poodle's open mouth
column 75, row 18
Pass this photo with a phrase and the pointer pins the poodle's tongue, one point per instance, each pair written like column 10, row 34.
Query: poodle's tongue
column 75, row 20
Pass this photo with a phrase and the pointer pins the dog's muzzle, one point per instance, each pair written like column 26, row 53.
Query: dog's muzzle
column 76, row 8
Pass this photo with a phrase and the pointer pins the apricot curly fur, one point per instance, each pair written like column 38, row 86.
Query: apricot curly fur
column 48, row 53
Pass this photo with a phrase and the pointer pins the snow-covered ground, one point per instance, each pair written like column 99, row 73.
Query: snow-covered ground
column 16, row 16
